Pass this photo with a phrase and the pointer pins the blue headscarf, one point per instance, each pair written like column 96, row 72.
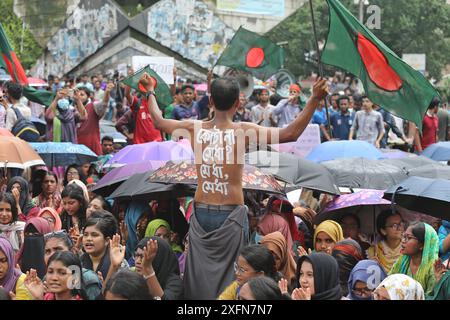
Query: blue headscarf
column 367, row 271
column 132, row 215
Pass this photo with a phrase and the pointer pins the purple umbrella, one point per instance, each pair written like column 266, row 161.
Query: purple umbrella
column 106, row 185
column 163, row 151
column 361, row 203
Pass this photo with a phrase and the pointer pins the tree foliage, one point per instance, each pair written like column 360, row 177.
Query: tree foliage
column 407, row 26
column 12, row 25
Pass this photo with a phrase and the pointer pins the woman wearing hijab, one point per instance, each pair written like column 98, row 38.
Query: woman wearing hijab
column 347, row 253
column 285, row 209
column 273, row 222
column 10, row 227
column 161, row 228
column 11, row 279
column 32, row 253
column 18, row 186
column 364, row 278
column 326, row 235
column 284, row 261
column 317, row 278
column 157, row 263
column 50, row 214
column 419, row 249
column 399, row 287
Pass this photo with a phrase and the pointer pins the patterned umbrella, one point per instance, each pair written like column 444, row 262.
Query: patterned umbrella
column 186, row 173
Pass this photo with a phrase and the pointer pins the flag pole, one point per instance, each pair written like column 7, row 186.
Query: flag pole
column 320, row 64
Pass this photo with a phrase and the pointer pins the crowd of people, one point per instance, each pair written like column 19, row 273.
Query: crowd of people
column 61, row 241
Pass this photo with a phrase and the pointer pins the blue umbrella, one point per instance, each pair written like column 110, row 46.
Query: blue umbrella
column 438, row 151
column 332, row 150
column 429, row 196
column 63, row 154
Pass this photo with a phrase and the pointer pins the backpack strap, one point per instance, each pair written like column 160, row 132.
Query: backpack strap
column 18, row 113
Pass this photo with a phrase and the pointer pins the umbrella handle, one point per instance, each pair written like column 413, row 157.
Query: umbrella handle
column 400, row 188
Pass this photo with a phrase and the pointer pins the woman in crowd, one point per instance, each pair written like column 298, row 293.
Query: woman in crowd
column 62, row 281
column 364, row 278
column 11, row 278
column 50, row 196
column 98, row 233
column 60, row 241
column 50, row 214
column 317, row 278
column 74, row 204
column 10, row 227
column 83, row 187
column 399, row 287
column 419, row 249
column 18, row 187
column 441, row 290
column 386, row 249
column 253, row 261
column 126, row 285
column 273, row 222
column 284, row 261
column 31, row 254
column 284, row 208
column 351, row 227
column 326, row 235
column 261, row 288
column 161, row 228
column 347, row 253
column 98, row 203
column 72, row 172
column 158, row 265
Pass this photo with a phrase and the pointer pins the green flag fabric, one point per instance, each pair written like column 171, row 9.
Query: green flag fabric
column 252, row 53
column 43, row 97
column 162, row 91
column 388, row 81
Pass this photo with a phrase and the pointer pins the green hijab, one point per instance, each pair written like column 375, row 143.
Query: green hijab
column 441, row 290
column 429, row 256
column 155, row 225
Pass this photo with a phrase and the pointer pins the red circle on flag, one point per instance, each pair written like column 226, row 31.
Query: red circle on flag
column 377, row 66
column 255, row 57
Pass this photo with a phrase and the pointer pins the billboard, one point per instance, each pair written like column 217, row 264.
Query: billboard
column 257, row 7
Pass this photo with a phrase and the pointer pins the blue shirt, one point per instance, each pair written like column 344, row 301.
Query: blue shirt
column 341, row 124
column 320, row 117
column 182, row 112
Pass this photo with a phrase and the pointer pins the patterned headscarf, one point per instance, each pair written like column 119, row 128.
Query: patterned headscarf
column 347, row 253
column 429, row 256
column 402, row 287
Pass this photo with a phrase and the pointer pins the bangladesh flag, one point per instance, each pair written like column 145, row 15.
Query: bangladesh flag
column 162, row 91
column 388, row 81
column 11, row 63
column 250, row 52
column 9, row 60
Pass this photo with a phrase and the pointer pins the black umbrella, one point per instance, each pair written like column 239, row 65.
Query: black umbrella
column 294, row 170
column 430, row 196
column 409, row 163
column 137, row 187
column 432, row 171
column 365, row 173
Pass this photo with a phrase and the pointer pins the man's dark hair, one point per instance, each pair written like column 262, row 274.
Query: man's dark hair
column 434, row 103
column 224, row 93
column 187, row 86
column 14, row 90
column 343, row 98
column 177, row 91
column 364, row 97
column 107, row 138
column 129, row 285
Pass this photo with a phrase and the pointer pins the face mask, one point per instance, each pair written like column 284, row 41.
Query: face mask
column 258, row 238
column 63, row 104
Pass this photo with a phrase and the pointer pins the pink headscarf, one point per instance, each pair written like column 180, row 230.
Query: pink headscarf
column 55, row 215
column 273, row 222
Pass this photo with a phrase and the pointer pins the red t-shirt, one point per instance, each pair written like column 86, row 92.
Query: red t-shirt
column 430, row 129
column 88, row 132
column 144, row 130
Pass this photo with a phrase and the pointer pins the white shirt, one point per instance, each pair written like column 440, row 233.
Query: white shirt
column 11, row 117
